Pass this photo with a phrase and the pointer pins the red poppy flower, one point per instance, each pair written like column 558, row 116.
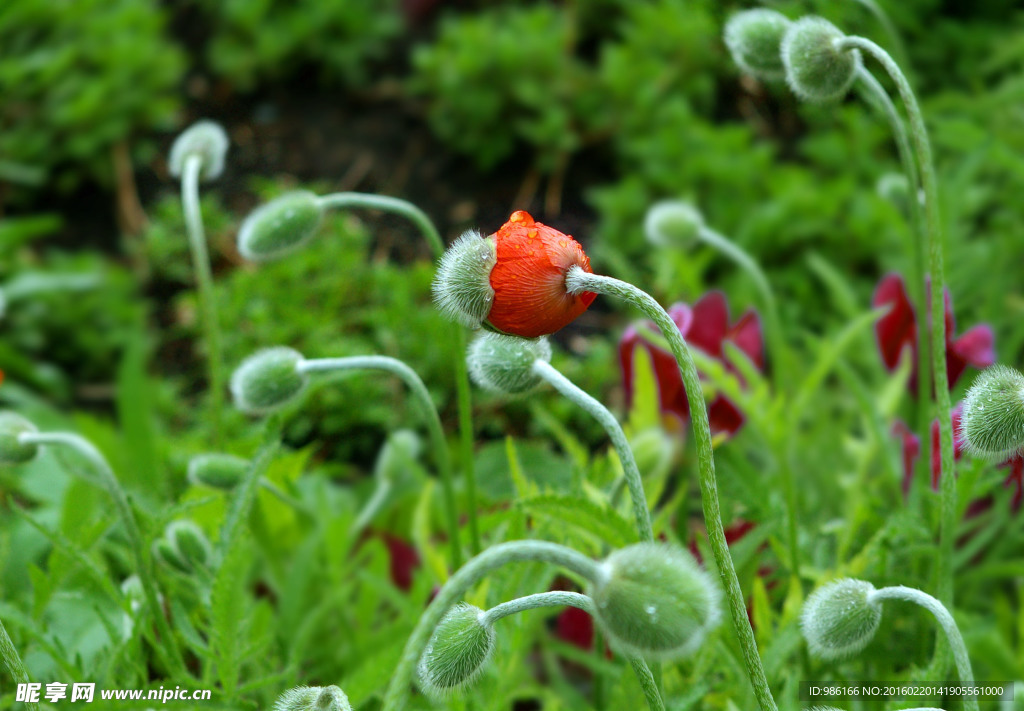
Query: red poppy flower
column 897, row 330
column 912, row 447
column 530, row 298
column 706, row 327
column 404, row 561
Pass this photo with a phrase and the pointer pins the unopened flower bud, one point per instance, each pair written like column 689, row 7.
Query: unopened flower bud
column 840, row 618
column 457, row 651
column 12, row 451
column 673, row 223
column 504, row 364
column 313, row 698
column 267, row 380
column 512, row 281
column 754, row 38
column 206, row 139
column 992, row 422
column 815, row 69
column 184, row 547
column 281, row 226
column 217, row 471
column 655, row 601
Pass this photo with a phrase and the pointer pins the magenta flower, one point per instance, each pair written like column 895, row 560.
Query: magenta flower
column 705, row 326
column 912, row 449
column 897, row 330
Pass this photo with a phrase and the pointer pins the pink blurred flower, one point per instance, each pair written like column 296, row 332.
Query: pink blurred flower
column 897, row 331
column 705, row 326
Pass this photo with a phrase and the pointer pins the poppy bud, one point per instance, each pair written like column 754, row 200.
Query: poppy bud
column 655, row 601
column 992, row 422
column 457, row 651
column 673, row 223
column 184, row 547
column 504, row 364
column 217, row 471
column 282, row 225
column 514, row 280
column 753, row 38
column 840, row 618
column 313, row 698
column 206, row 139
column 267, row 380
column 815, row 69
column 12, row 451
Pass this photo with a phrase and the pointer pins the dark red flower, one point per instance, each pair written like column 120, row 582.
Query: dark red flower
column 404, row 561
column 897, row 332
column 705, row 326
column 576, row 627
column 530, row 298
column 912, row 447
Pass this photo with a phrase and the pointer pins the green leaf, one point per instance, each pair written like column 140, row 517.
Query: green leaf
column 602, row 522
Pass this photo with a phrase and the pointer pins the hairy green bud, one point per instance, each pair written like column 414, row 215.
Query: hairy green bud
column 673, row 223
column 313, row 698
column 462, row 286
column 815, row 69
column 504, row 364
column 754, row 38
column 205, row 139
column 457, row 651
column 840, row 618
column 655, row 601
column 12, row 451
column 281, row 226
column 992, row 422
column 217, row 471
column 268, row 379
column 184, row 547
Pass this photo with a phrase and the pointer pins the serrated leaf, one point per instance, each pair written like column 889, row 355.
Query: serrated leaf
column 603, row 522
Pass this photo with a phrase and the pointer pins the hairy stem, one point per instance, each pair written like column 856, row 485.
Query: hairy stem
column 436, row 432
column 578, row 281
column 396, row 206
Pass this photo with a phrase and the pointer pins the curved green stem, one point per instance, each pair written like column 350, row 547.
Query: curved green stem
column 600, row 413
column 877, row 94
column 406, row 209
column 140, row 551
column 948, row 624
column 553, row 598
column 12, row 660
column 936, row 270
column 578, row 281
column 204, row 283
column 419, row 391
column 397, row 206
column 475, row 569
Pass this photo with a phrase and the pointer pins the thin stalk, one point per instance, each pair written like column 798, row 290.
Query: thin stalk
column 600, row 413
column 948, row 625
column 781, row 370
column 12, row 660
column 936, row 270
column 140, row 551
column 456, row 587
column 406, row 209
column 204, row 284
column 578, row 281
column 434, row 428
column 876, row 93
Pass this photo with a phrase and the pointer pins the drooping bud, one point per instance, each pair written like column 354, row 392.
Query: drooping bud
column 815, row 69
column 514, row 280
column 673, row 223
column 281, row 226
column 206, row 139
column 313, row 698
column 655, row 601
column 992, row 422
column 462, row 287
column 754, row 38
column 217, row 471
column 457, row 651
column 504, row 364
column 840, row 618
column 12, row 451
column 267, row 380
column 184, row 546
